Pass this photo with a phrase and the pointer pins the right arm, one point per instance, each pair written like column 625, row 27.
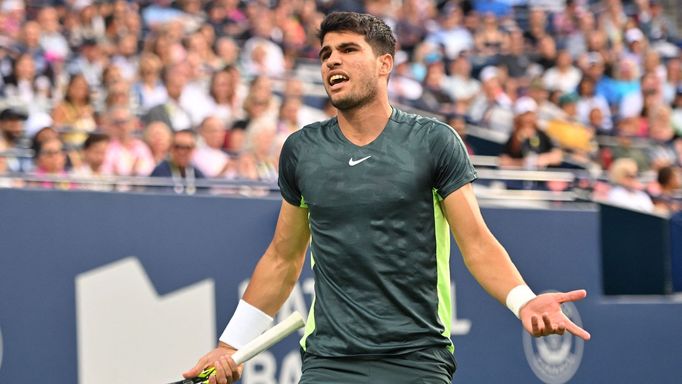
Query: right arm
column 281, row 264
column 271, row 283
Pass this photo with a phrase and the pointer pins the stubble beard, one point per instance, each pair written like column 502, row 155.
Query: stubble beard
column 353, row 101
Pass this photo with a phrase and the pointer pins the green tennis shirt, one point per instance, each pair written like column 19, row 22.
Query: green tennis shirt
column 380, row 243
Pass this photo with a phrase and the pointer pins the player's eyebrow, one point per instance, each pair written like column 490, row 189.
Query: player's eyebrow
column 326, row 49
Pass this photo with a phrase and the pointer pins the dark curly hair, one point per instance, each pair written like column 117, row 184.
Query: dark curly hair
column 377, row 34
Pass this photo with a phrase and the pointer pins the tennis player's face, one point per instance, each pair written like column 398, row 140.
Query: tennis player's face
column 350, row 70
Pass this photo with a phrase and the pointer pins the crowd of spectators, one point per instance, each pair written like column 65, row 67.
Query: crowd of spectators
column 212, row 88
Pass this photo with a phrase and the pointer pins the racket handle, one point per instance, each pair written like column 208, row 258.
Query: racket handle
column 266, row 340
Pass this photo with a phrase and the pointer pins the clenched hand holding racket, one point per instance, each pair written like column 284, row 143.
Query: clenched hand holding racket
column 256, row 346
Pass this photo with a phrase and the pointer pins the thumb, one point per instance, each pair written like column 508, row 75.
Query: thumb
column 194, row 371
column 576, row 295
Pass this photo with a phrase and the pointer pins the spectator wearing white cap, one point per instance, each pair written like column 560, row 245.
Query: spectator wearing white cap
column 528, row 146
column 635, row 44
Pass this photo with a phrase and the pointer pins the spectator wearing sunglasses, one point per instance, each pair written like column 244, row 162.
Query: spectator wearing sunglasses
column 179, row 167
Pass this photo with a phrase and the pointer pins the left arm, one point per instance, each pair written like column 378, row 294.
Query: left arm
column 491, row 266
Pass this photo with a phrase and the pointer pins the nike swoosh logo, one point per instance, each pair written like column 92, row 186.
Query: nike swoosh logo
column 353, row 163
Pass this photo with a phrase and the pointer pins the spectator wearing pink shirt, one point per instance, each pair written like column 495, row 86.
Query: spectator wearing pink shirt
column 126, row 155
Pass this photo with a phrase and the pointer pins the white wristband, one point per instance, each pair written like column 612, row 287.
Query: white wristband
column 518, row 297
column 247, row 323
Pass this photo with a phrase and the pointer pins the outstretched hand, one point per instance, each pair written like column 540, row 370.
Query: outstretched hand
column 542, row 316
column 226, row 370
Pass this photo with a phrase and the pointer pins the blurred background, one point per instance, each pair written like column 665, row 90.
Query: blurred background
column 139, row 146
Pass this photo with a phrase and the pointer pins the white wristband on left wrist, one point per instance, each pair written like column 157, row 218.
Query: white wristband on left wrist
column 518, row 297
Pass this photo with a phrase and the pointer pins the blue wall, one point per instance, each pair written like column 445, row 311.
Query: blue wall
column 47, row 238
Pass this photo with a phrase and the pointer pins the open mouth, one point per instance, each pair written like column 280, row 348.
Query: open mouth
column 337, row 79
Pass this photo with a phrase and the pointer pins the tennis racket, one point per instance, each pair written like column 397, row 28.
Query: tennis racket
column 255, row 346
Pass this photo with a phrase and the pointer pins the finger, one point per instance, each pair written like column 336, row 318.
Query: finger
column 234, row 369
column 577, row 331
column 561, row 328
column 196, row 369
column 535, row 326
column 576, row 295
column 225, row 375
column 549, row 329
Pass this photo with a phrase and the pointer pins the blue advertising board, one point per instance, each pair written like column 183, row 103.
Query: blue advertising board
column 123, row 287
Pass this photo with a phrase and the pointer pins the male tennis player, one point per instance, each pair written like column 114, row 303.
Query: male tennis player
column 376, row 187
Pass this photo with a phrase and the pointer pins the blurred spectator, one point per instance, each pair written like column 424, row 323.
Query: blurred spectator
column 227, row 51
column 563, row 76
column 528, row 146
column 492, row 107
column 568, row 132
column 5, row 180
column 14, row 15
column 673, row 79
column 224, row 97
column 588, row 101
column 410, row 28
column 676, row 118
column 659, row 28
column 126, row 57
column 666, row 197
column 260, row 54
column 662, row 148
column 490, row 40
column 126, row 154
column 209, row 157
column 171, row 112
column 461, row 86
column 75, row 114
column 576, row 42
column 547, row 110
column 148, row 90
column 639, row 102
column 305, row 113
column 179, row 165
column 566, row 22
column 50, row 160
column 402, row 87
column 29, row 43
column 261, row 107
column 259, row 158
column 613, row 20
column 47, row 132
column 93, row 154
column 52, row 38
column 90, row 62
column 158, row 137
column 546, row 55
column 626, row 190
column 25, row 87
column 515, row 58
column 458, row 122
column 449, row 33
column 12, row 129
column 434, row 98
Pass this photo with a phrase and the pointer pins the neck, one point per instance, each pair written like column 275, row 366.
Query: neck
column 363, row 124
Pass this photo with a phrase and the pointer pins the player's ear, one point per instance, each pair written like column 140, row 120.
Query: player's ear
column 385, row 64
